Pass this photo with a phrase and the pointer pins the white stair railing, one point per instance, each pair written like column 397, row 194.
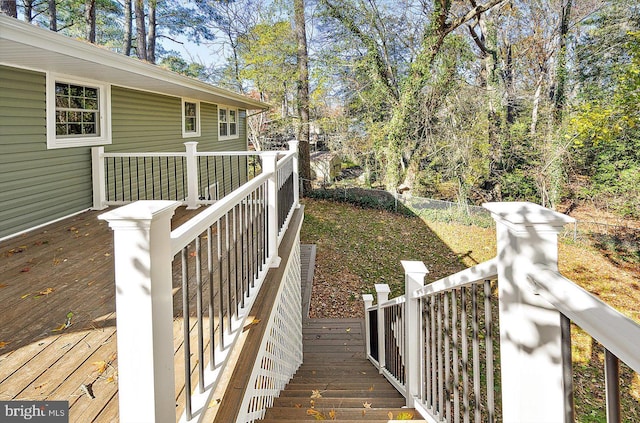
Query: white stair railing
column 216, row 262
column 447, row 324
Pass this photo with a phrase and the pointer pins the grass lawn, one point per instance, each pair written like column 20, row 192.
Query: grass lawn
column 359, row 247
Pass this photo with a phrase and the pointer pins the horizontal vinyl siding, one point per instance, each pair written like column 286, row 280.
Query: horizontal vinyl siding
column 146, row 122
column 37, row 185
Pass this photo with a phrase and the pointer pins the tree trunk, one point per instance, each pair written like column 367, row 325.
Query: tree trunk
column 90, row 20
column 9, row 8
column 151, row 37
column 53, row 16
column 141, row 29
column 128, row 27
column 561, row 63
column 303, row 94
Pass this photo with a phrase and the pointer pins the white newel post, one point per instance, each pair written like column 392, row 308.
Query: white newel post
column 293, row 146
column 382, row 291
column 192, row 175
column 144, row 310
column 530, row 348
column 368, row 302
column 414, row 273
column 98, row 178
column 269, row 165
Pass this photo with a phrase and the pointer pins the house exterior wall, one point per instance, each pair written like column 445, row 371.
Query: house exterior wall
column 39, row 185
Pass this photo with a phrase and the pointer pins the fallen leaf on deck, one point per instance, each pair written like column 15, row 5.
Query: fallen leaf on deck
column 348, row 330
column 366, row 404
column 316, row 393
column 59, row 328
column 214, row 402
column 371, row 388
column 404, row 415
column 3, row 344
column 316, row 414
column 332, row 414
column 25, row 296
column 297, row 405
column 107, row 254
column 25, row 270
column 390, row 415
column 3, row 285
column 46, row 291
column 100, row 366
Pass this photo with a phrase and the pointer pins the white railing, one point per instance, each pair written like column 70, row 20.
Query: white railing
column 280, row 352
column 214, row 265
column 430, row 360
column 192, row 177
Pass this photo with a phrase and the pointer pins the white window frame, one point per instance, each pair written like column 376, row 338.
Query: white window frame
column 104, row 113
column 197, row 132
column 229, row 136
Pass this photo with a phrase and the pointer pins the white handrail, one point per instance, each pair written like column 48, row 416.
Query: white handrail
column 187, row 232
column 466, row 277
column 615, row 331
column 392, row 302
column 159, row 154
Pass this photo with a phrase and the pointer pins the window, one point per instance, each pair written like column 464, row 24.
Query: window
column 190, row 118
column 77, row 113
column 227, row 123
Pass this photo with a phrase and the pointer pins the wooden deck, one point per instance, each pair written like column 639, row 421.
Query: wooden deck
column 57, row 302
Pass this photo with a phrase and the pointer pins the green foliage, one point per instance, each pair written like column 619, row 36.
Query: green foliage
column 268, row 55
column 179, row 65
column 606, row 132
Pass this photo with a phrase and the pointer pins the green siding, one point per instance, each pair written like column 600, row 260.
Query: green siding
column 38, row 185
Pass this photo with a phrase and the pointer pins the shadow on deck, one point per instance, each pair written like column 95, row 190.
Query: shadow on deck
column 57, row 338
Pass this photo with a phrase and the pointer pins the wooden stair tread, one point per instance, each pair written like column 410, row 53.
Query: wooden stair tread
column 335, row 367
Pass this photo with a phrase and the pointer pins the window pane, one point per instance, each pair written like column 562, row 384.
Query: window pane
column 62, row 89
column 223, row 115
column 76, row 90
column 232, row 115
column 190, row 124
column 77, row 110
column 91, row 104
column 76, row 103
column 91, row 92
column 223, row 129
column 75, row 117
column 190, row 109
column 62, row 102
column 232, row 129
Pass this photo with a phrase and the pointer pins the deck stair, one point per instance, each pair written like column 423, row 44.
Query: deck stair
column 336, row 381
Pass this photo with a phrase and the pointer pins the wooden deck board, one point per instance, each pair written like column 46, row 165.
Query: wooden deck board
column 45, row 274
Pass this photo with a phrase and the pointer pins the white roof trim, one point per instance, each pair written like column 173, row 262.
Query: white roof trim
column 27, row 46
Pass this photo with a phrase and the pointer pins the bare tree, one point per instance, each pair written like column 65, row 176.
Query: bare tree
column 151, row 34
column 90, row 20
column 303, row 93
column 8, row 7
column 141, row 29
column 53, row 16
column 128, row 27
